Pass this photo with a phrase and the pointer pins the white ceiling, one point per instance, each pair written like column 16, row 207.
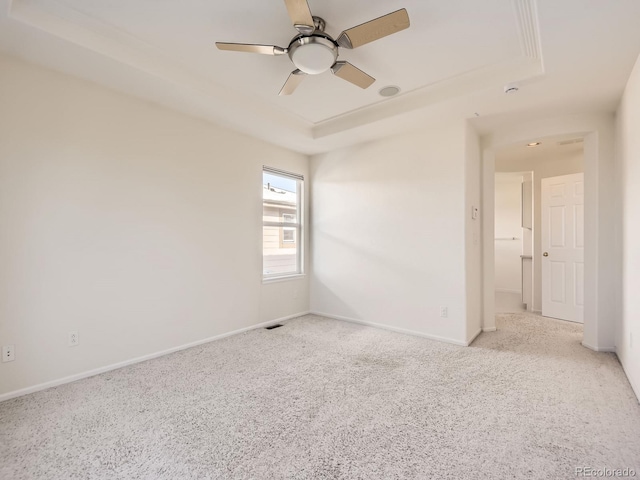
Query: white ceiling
column 566, row 56
column 550, row 148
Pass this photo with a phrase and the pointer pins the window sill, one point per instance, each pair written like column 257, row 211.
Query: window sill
column 284, row 278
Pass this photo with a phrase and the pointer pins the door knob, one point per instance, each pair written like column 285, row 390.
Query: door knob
column 545, row 254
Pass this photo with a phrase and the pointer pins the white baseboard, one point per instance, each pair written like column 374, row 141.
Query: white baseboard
column 489, row 329
column 634, row 386
column 115, row 366
column 537, row 312
column 473, row 337
column 393, row 329
column 599, row 349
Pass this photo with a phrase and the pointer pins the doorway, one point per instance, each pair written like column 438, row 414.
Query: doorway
column 601, row 262
column 513, row 242
column 536, row 283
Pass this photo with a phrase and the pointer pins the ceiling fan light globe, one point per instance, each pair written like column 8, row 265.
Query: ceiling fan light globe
column 313, row 58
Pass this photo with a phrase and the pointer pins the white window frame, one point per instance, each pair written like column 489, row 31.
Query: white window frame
column 296, row 225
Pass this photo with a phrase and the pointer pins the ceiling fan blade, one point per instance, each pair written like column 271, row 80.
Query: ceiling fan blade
column 374, row 29
column 295, row 78
column 252, row 48
column 300, row 16
column 352, row 74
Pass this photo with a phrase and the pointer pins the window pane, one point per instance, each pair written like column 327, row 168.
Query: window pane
column 279, row 198
column 281, row 232
column 280, row 252
column 288, row 235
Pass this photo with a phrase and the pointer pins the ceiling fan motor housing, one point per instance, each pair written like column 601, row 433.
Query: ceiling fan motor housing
column 313, row 54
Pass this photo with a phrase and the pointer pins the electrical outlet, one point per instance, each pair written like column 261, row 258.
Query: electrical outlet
column 73, row 338
column 444, row 312
column 8, row 353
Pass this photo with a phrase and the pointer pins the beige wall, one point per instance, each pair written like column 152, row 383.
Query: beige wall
column 389, row 229
column 473, row 232
column 628, row 162
column 139, row 227
column 553, row 165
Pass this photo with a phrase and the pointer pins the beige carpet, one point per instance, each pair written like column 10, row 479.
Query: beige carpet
column 323, row 399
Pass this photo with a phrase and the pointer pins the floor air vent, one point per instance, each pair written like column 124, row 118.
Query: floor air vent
column 271, row 327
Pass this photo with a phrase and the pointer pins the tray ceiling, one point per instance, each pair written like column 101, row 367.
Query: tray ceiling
column 165, row 51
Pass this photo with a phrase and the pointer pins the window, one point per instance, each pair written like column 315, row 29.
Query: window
column 281, row 223
column 288, row 233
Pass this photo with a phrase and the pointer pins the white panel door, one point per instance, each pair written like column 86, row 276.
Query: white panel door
column 563, row 247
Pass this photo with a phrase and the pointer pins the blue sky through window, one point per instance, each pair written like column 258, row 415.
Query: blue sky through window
column 284, row 183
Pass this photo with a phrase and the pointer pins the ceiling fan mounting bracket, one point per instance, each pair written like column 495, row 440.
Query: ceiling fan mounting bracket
column 318, row 26
column 319, row 23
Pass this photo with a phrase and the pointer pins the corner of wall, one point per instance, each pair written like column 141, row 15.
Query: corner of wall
column 473, row 207
column 627, row 216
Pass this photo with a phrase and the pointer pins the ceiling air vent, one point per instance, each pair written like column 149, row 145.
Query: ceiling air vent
column 570, row 142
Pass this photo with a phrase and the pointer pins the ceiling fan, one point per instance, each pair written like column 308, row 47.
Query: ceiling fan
column 313, row 51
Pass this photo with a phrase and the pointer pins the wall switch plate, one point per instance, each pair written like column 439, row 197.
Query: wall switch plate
column 444, row 312
column 8, row 353
column 73, row 338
